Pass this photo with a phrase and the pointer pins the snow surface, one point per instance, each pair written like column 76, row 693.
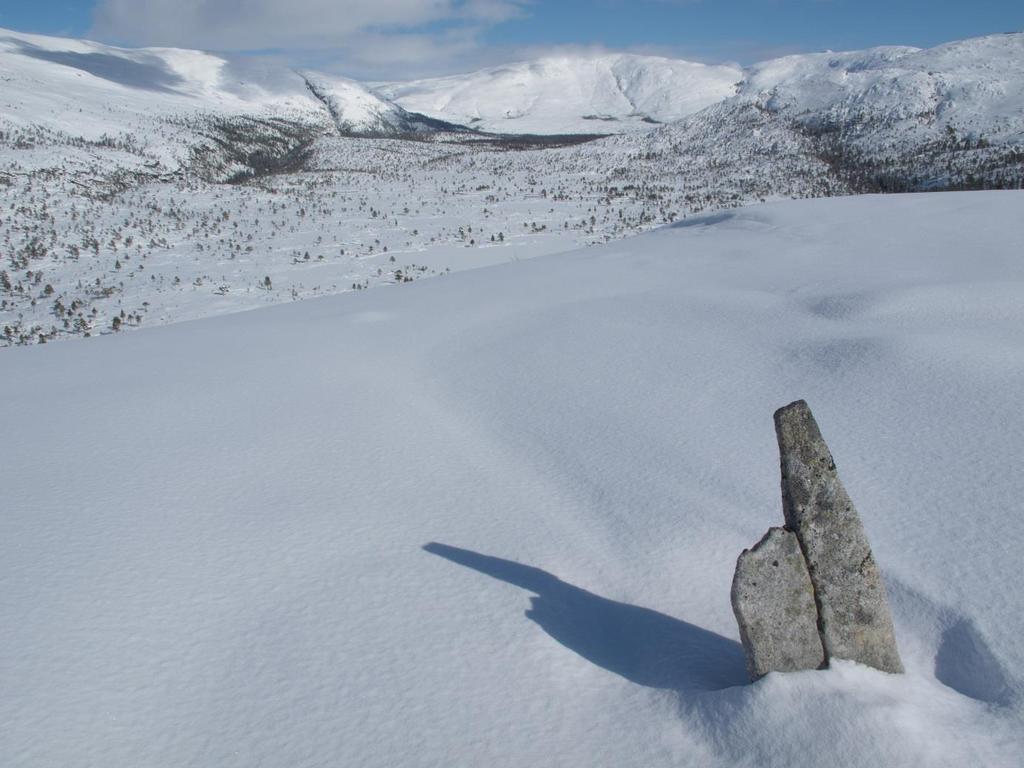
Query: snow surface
column 307, row 535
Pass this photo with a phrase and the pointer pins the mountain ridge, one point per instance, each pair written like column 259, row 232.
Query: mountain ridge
column 570, row 93
column 130, row 82
column 584, row 93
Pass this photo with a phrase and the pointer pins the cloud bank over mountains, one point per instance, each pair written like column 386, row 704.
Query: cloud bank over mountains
column 363, row 36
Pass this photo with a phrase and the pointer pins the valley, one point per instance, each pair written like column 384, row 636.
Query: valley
column 143, row 187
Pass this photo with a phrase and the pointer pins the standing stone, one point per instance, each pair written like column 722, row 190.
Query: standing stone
column 853, row 610
column 773, row 600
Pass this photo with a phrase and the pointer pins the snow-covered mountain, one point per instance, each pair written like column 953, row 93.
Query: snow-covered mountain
column 972, row 89
column 179, row 104
column 976, row 84
column 982, row 76
column 356, row 110
column 886, row 119
column 609, row 93
column 969, row 91
column 94, row 89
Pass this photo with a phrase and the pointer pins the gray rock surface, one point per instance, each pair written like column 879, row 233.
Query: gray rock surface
column 773, row 600
column 853, row 609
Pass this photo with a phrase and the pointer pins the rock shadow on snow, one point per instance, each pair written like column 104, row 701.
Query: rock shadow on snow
column 963, row 660
column 645, row 647
column 966, row 664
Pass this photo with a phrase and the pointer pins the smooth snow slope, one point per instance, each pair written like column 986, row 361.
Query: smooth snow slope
column 492, row 518
column 93, row 90
column 609, row 93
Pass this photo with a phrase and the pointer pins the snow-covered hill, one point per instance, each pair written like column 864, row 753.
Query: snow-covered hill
column 609, row 93
column 358, row 111
column 978, row 83
column 492, row 519
column 887, row 119
column 980, row 80
column 968, row 93
column 94, row 90
column 167, row 109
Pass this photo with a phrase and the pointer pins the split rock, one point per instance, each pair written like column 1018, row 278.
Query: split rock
column 853, row 609
column 773, row 600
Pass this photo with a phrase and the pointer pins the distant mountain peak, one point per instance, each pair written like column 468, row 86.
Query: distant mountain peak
column 570, row 93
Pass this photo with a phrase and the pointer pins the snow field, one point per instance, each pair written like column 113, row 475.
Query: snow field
column 308, row 535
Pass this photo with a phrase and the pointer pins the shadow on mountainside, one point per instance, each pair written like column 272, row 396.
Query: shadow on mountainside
column 641, row 645
column 134, row 70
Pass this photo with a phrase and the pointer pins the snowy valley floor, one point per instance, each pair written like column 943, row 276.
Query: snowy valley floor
column 492, row 519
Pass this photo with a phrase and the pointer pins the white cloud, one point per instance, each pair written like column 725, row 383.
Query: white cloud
column 365, row 39
column 411, row 29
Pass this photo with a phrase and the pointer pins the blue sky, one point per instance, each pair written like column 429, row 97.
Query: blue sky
column 418, row 37
column 734, row 29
